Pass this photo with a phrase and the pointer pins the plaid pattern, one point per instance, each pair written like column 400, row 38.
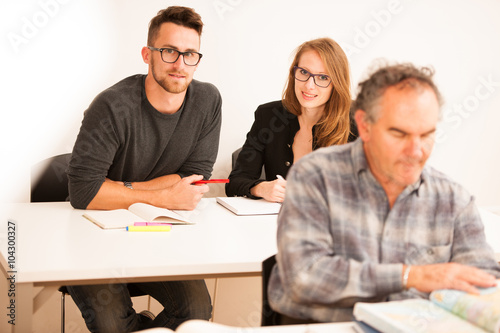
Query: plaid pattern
column 339, row 242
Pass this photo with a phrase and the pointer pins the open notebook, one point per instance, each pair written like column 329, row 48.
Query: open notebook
column 138, row 212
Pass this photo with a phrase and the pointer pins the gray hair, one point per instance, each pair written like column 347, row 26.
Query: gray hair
column 401, row 76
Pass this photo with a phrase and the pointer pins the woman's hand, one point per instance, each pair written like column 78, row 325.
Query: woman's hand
column 271, row 191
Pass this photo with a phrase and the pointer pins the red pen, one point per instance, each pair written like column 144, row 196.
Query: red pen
column 211, row 181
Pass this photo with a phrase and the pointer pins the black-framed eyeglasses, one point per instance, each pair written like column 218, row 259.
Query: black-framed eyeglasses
column 321, row 80
column 170, row 55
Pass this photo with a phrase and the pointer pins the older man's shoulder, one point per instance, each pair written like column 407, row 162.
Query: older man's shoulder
column 442, row 182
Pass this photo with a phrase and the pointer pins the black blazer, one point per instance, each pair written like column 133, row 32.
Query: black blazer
column 268, row 144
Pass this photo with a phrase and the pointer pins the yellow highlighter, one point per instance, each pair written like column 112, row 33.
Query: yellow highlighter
column 149, row 228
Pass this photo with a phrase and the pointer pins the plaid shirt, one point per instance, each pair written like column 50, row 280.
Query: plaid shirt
column 339, row 242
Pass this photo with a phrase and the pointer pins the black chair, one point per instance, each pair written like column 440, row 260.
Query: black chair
column 269, row 316
column 234, row 157
column 49, row 183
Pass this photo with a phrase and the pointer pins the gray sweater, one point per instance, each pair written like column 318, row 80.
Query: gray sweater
column 123, row 137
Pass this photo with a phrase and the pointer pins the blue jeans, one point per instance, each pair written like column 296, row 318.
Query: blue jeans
column 108, row 307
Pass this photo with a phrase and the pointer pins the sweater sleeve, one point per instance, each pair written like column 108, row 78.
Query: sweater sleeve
column 93, row 153
column 204, row 153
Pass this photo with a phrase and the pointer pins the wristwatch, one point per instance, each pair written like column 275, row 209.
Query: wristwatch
column 128, row 184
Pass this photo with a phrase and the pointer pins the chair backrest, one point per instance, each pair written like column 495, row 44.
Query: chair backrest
column 269, row 316
column 234, row 158
column 49, row 181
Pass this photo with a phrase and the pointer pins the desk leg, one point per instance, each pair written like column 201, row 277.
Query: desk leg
column 24, row 307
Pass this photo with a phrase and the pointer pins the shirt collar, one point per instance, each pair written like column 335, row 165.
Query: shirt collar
column 358, row 157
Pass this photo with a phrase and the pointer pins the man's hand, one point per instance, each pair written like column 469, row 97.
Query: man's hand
column 428, row 278
column 182, row 195
column 271, row 191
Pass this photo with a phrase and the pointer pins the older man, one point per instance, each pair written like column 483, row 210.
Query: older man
column 369, row 221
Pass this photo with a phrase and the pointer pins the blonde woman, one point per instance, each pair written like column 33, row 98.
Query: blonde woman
column 313, row 113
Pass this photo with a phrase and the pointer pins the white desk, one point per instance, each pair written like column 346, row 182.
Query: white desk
column 57, row 246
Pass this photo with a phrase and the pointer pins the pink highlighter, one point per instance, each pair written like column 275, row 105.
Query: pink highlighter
column 145, row 224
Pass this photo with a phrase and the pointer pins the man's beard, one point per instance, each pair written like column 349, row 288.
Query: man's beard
column 168, row 85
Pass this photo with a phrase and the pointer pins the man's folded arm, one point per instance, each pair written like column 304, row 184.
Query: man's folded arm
column 180, row 195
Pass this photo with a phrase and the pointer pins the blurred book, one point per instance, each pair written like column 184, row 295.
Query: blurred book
column 445, row 311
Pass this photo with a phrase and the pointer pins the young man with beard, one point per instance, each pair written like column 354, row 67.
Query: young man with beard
column 147, row 139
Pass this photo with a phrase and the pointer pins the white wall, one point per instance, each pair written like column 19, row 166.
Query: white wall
column 57, row 55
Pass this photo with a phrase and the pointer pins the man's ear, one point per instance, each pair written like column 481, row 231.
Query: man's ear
column 146, row 54
column 363, row 126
